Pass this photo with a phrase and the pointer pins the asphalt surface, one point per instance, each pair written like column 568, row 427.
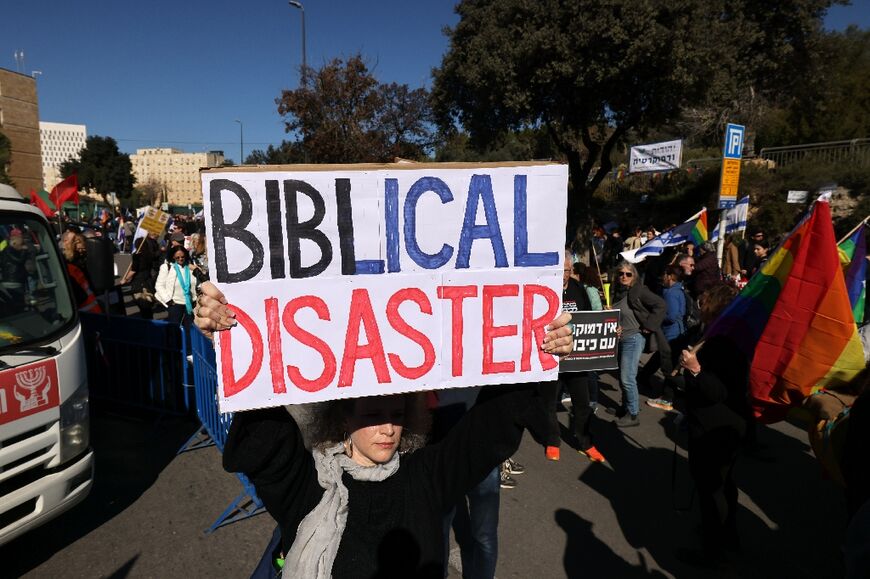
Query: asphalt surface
column 149, row 508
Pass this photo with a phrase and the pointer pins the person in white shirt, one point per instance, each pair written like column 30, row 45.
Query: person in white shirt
column 176, row 286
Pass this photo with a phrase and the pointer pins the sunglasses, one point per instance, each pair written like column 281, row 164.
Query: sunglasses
column 625, row 274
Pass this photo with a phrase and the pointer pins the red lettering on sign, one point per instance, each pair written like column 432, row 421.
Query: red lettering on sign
column 231, row 385
column 456, row 293
column 491, row 331
column 361, row 313
column 273, row 336
column 535, row 328
column 310, row 340
column 400, row 325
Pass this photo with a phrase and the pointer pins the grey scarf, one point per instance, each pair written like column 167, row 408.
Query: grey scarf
column 319, row 533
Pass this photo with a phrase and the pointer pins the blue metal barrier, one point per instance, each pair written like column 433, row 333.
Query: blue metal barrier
column 215, row 427
column 138, row 363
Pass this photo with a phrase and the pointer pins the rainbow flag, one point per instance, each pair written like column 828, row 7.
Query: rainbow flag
column 698, row 235
column 793, row 320
column 853, row 254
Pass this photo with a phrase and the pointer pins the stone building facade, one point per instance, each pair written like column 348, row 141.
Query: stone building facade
column 19, row 121
column 174, row 172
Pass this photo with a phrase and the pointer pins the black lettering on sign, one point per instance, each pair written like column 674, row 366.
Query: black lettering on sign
column 220, row 230
column 345, row 226
column 276, row 236
column 306, row 230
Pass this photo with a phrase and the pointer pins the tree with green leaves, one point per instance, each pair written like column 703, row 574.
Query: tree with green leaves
column 344, row 115
column 5, row 159
column 102, row 168
column 594, row 73
column 287, row 153
column 832, row 103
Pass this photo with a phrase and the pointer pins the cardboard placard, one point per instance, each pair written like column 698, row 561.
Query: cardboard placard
column 154, row 221
column 665, row 156
column 362, row 280
column 595, row 342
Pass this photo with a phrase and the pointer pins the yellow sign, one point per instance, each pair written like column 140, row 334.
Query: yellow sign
column 154, row 221
column 729, row 181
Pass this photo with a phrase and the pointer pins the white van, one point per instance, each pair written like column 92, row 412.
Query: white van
column 46, row 463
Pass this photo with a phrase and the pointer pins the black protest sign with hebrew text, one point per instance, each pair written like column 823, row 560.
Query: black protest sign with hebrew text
column 595, row 342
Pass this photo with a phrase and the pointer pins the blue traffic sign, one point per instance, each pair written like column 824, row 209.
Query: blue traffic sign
column 734, row 141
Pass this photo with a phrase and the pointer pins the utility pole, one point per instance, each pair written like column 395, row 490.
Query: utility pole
column 241, row 142
column 297, row 4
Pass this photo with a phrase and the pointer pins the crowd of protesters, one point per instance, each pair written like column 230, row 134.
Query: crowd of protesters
column 164, row 269
column 456, row 445
column 665, row 304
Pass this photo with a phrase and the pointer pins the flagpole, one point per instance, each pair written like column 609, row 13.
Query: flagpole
column 854, row 229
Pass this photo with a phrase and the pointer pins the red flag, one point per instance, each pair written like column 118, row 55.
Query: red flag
column 66, row 190
column 37, row 201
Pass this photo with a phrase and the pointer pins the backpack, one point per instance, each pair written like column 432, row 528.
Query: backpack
column 692, row 319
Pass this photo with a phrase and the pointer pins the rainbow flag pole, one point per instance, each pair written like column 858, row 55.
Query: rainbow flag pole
column 698, row 235
column 794, row 322
column 853, row 257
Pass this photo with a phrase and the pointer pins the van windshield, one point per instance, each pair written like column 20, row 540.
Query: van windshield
column 34, row 296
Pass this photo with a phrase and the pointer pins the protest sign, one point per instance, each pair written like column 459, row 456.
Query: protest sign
column 797, row 196
column 154, row 221
column 359, row 280
column 665, row 156
column 595, row 342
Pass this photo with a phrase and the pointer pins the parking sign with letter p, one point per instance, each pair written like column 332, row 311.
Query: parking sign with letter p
column 734, row 141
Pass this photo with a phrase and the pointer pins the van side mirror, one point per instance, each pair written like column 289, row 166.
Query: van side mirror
column 101, row 264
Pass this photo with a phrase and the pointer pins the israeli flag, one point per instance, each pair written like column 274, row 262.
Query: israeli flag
column 735, row 219
column 656, row 246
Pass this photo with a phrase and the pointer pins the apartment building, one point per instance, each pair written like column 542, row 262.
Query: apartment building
column 174, row 171
column 60, row 142
column 19, row 121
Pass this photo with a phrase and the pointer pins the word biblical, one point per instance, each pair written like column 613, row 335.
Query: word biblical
column 358, row 282
column 480, row 193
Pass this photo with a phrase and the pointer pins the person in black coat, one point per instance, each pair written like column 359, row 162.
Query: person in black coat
column 716, row 384
column 365, row 503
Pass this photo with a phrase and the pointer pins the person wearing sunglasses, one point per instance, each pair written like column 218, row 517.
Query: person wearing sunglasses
column 641, row 313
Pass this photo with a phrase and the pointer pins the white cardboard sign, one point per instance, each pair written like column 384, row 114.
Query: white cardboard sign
column 665, row 156
column 362, row 280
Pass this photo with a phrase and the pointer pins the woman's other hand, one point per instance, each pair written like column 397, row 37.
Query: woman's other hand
column 559, row 339
column 211, row 313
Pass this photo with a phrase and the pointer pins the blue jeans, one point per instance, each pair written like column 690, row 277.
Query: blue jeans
column 629, row 359
column 476, row 529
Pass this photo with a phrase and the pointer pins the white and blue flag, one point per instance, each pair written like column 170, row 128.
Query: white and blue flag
column 735, row 219
column 676, row 236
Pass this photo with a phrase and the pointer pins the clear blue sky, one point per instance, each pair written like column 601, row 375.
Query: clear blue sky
column 178, row 73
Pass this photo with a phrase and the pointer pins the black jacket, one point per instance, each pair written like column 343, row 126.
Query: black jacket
column 394, row 527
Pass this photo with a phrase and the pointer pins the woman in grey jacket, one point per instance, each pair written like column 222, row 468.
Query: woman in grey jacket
column 641, row 313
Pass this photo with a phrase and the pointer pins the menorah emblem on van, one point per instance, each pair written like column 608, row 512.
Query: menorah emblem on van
column 31, row 388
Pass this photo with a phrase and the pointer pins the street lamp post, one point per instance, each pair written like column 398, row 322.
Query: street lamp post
column 241, row 142
column 297, row 4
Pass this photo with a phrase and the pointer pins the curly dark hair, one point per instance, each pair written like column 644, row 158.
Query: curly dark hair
column 327, row 426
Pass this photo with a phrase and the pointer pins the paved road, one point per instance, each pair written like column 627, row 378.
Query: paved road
column 149, row 507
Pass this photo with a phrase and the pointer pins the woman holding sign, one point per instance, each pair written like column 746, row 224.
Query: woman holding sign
column 367, row 501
